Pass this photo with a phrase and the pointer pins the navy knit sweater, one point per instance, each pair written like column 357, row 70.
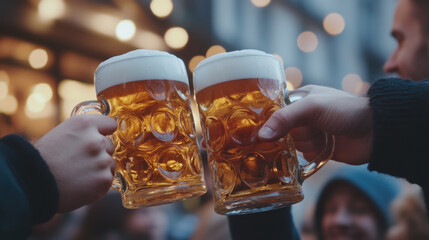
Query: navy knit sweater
column 401, row 130
column 28, row 191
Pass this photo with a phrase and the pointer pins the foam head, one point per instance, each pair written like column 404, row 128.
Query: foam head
column 236, row 65
column 141, row 64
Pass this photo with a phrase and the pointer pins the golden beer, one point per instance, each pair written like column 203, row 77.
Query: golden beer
column 248, row 175
column 156, row 154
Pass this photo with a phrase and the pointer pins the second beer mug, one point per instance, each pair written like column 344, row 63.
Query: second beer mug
column 236, row 93
column 157, row 158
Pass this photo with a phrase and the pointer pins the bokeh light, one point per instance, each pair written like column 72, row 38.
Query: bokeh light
column 4, row 84
column 38, row 58
column 51, row 9
column 72, row 92
column 43, row 89
column 293, row 76
column 215, row 49
column 334, row 23
column 4, row 89
column 4, row 77
column 35, row 102
column 125, row 30
column 307, row 41
column 161, row 8
column 352, row 83
column 260, row 3
column 194, row 62
column 9, row 105
column 176, row 37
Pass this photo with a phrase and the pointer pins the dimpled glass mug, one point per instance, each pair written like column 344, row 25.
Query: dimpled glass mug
column 156, row 154
column 236, row 93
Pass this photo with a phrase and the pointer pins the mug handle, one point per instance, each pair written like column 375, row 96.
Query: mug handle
column 98, row 107
column 306, row 170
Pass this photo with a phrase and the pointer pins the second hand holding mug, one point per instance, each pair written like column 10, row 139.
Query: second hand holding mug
column 156, row 154
column 236, row 93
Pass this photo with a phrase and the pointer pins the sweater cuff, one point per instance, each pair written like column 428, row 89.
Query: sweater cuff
column 35, row 178
column 400, row 113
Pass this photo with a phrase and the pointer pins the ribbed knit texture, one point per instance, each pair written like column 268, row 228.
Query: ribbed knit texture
column 401, row 129
column 35, row 178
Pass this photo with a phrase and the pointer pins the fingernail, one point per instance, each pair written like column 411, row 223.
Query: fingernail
column 266, row 132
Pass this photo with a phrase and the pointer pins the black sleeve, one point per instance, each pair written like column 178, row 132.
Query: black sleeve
column 32, row 194
column 273, row 225
column 401, row 129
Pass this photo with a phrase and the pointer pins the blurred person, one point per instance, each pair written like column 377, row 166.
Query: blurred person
column 107, row 219
column 149, row 223
column 354, row 204
column 411, row 31
column 67, row 168
column 104, row 219
column 307, row 230
column 410, row 216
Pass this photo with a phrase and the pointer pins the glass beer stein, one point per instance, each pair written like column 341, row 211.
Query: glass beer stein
column 156, row 154
column 236, row 93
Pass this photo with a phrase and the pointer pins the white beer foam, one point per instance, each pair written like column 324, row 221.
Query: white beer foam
column 236, row 65
column 141, row 64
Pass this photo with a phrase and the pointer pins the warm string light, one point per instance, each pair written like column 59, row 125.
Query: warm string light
column 49, row 10
column 195, row 61
column 161, row 8
column 307, row 41
column 38, row 58
column 260, row 3
column 215, row 49
column 72, row 92
column 125, row 30
column 334, row 23
column 352, row 83
column 176, row 37
column 293, row 76
column 38, row 104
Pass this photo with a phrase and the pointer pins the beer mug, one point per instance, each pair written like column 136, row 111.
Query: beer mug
column 156, row 153
column 236, row 93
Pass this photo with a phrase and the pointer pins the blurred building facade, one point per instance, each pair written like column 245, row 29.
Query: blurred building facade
column 336, row 43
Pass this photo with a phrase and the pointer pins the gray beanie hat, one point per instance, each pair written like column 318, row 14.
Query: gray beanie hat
column 380, row 189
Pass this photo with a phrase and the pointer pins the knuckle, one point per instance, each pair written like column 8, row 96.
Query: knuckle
column 83, row 121
column 93, row 147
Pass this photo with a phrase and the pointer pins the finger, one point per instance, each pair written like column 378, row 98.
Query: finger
column 104, row 161
column 104, row 124
column 95, row 144
column 110, row 148
column 113, row 168
column 308, row 146
column 306, row 133
column 283, row 120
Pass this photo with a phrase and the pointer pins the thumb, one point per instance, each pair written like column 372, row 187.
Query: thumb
column 283, row 120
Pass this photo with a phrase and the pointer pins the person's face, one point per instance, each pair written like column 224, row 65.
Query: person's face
column 348, row 215
column 410, row 60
